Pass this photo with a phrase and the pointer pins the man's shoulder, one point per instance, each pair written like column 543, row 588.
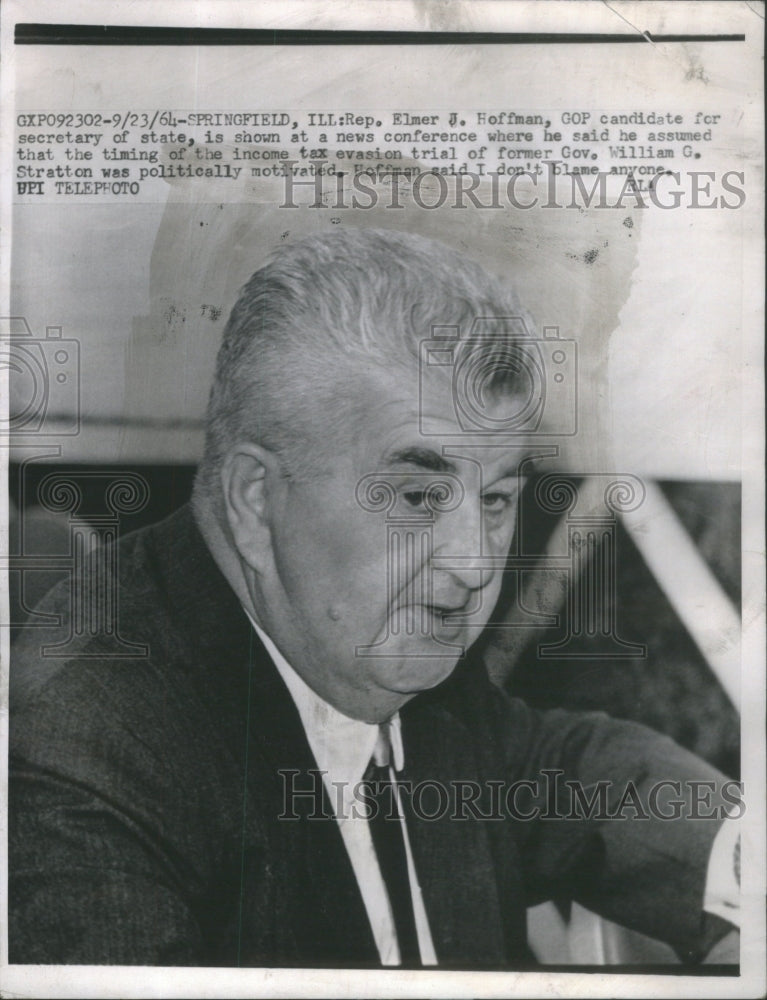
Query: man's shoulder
column 148, row 627
column 114, row 609
column 153, row 691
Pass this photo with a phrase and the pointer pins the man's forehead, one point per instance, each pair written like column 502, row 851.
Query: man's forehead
column 430, row 408
column 426, row 398
column 449, row 451
column 405, row 421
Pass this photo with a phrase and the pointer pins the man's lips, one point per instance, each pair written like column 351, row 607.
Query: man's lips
column 436, row 607
column 451, row 604
column 442, row 615
column 447, row 609
column 437, row 616
column 418, row 622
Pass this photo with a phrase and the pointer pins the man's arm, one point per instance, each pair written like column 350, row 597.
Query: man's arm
column 624, row 822
column 103, row 825
column 86, row 885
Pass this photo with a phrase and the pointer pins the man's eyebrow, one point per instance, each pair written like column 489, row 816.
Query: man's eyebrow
column 424, row 458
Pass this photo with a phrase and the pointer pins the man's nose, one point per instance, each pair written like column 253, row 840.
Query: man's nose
column 460, row 548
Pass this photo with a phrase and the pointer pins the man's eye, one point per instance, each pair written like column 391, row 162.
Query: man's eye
column 496, row 503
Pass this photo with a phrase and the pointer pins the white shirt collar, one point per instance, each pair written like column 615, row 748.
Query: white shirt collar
column 342, row 746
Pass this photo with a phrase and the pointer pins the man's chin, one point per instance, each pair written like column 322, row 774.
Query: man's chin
column 413, row 674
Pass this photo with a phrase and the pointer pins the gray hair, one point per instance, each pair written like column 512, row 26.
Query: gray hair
column 307, row 322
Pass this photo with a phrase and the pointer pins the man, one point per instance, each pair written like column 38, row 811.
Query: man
column 307, row 625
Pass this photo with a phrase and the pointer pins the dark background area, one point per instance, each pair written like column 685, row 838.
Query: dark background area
column 672, row 689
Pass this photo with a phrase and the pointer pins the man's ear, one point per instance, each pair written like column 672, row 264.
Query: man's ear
column 249, row 476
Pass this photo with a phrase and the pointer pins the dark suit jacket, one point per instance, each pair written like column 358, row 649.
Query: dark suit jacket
column 147, row 792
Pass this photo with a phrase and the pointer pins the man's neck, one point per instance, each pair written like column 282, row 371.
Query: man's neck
column 223, row 554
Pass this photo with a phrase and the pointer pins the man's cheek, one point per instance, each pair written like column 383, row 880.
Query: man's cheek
column 485, row 601
column 500, row 536
column 364, row 591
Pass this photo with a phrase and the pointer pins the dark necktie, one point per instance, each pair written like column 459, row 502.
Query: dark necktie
column 389, row 843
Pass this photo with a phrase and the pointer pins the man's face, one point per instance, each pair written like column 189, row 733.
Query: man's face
column 382, row 576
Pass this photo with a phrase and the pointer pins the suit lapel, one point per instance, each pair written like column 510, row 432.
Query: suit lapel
column 298, row 899
column 453, row 855
column 328, row 915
